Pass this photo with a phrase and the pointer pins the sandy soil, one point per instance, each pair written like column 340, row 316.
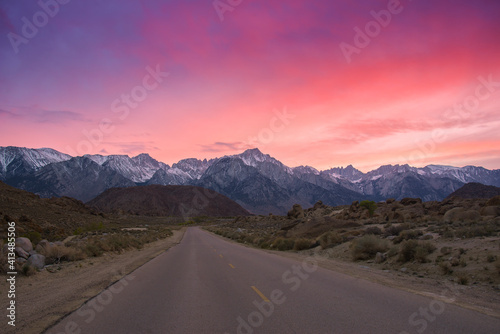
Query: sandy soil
column 46, row 297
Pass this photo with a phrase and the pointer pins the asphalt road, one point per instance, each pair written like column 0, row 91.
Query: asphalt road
column 208, row 285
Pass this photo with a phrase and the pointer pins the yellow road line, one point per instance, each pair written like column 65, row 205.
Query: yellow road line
column 264, row 298
column 231, row 265
column 221, row 256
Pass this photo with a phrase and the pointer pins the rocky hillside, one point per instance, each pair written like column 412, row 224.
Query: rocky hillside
column 43, row 217
column 156, row 200
column 475, row 190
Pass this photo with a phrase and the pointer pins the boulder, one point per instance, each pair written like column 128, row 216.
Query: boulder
column 490, row 211
column 390, row 200
column 318, row 205
column 427, row 236
column 21, row 260
column 452, row 214
column 296, row 212
column 380, row 257
column 22, row 253
column 461, row 215
column 494, row 201
column 410, row 201
column 354, row 206
column 37, row 261
column 24, row 243
column 470, row 216
column 44, row 243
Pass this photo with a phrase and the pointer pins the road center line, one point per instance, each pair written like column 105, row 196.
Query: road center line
column 221, row 256
column 264, row 298
column 231, row 265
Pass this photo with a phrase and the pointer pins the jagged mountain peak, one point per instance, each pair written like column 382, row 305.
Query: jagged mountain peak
column 347, row 173
column 253, row 156
column 305, row 170
column 256, row 180
column 20, row 161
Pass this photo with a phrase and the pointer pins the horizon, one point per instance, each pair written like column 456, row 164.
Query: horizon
column 309, row 83
column 255, row 148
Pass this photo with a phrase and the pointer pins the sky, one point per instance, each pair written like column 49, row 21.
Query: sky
column 318, row 83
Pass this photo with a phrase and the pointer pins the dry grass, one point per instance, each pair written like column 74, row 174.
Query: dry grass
column 414, row 250
column 330, row 239
column 367, row 247
column 56, row 254
column 301, row 244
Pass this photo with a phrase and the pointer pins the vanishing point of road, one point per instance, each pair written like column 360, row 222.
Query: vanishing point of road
column 206, row 284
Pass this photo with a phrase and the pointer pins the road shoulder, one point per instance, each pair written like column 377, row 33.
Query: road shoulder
column 46, row 298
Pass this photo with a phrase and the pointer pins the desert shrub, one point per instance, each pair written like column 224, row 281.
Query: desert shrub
column 283, row 244
column 445, row 250
column 407, row 235
column 264, row 244
column 329, row 239
column 56, row 254
column 119, row 242
column 34, row 236
column 413, row 250
column 477, row 230
column 396, row 229
column 371, row 206
column 463, row 279
column 92, row 249
column 445, row 268
column 367, row 246
column 258, row 240
column 373, row 230
column 393, row 251
column 491, row 258
column 91, row 227
column 28, row 270
column 301, row 244
column 448, row 234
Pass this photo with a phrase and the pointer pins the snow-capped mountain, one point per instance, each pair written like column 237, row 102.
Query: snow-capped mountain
column 348, row 173
column 138, row 169
column 193, row 167
column 79, row 177
column 20, row 161
column 257, row 181
column 465, row 174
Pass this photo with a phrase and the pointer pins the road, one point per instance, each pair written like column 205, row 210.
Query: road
column 208, row 285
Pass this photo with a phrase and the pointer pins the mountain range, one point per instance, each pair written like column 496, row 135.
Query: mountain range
column 258, row 182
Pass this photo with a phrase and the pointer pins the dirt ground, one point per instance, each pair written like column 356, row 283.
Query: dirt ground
column 43, row 299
